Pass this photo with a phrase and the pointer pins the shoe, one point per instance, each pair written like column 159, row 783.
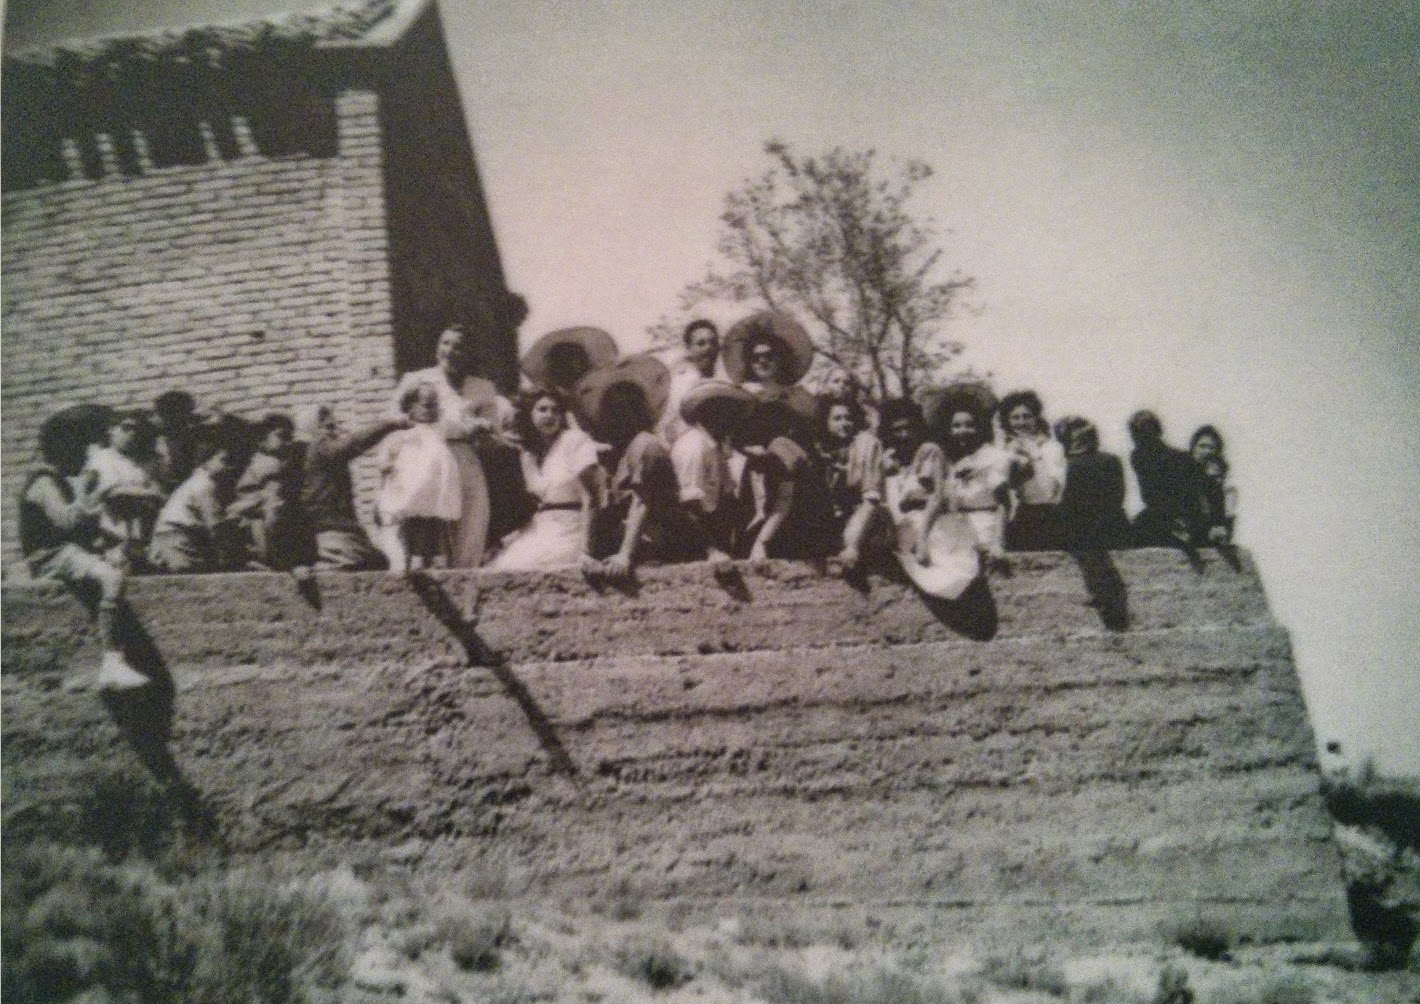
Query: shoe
column 116, row 674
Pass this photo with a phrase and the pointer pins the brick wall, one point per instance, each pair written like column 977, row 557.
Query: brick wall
column 255, row 283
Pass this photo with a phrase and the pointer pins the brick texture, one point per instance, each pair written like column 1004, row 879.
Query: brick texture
column 239, row 245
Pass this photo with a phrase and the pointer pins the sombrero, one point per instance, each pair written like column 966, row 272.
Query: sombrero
column 773, row 324
column 713, row 390
column 802, row 405
column 596, row 343
column 644, row 371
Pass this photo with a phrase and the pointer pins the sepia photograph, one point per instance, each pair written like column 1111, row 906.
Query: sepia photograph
column 743, row 501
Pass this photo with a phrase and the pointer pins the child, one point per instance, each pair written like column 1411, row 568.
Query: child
column 422, row 495
column 130, row 497
column 195, row 531
column 58, row 530
column 268, row 496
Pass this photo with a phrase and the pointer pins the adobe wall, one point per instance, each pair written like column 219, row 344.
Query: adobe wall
column 255, row 283
column 783, row 736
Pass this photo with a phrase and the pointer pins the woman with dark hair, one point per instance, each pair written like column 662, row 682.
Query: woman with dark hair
column 1170, row 485
column 560, row 469
column 978, row 472
column 59, row 530
column 1218, row 498
column 850, row 458
column 1091, row 511
column 1040, row 469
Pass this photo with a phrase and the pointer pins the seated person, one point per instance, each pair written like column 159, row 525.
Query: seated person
column 561, row 469
column 175, row 442
column 792, row 512
column 1169, row 484
column 640, row 518
column 711, row 504
column 1219, row 498
column 334, row 532
column 268, row 496
column 1040, row 467
column 978, row 472
column 115, row 474
column 195, row 531
column 59, row 528
column 1092, row 503
column 850, row 459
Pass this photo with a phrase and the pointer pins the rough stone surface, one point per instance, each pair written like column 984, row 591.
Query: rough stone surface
column 784, row 736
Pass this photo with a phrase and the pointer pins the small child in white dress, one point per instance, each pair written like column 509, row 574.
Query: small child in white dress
column 422, row 496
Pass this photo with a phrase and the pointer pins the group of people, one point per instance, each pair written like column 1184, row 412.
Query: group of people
column 604, row 463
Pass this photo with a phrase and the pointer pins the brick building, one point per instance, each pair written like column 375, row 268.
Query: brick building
column 264, row 215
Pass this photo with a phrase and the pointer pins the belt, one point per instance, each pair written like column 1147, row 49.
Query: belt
column 559, row 507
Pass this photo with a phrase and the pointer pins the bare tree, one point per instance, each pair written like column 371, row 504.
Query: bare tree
column 831, row 240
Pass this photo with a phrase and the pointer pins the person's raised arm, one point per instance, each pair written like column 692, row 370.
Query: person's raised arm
column 351, row 445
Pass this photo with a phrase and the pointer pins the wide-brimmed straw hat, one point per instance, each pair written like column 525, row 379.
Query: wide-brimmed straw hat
column 797, row 345
column 644, row 371
column 712, row 391
column 600, row 349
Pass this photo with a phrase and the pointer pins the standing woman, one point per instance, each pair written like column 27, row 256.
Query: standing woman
column 561, row 471
column 1040, row 467
column 469, row 408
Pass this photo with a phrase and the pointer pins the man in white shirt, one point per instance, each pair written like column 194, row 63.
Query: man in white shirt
column 702, row 461
column 702, row 353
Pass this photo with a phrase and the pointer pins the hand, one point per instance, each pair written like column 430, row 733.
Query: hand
column 591, row 567
column 757, row 552
column 618, row 566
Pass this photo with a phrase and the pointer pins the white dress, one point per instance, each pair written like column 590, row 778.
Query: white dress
column 556, row 536
column 459, row 408
column 422, row 477
column 953, row 561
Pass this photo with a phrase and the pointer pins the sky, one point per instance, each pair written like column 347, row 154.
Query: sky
column 1210, row 209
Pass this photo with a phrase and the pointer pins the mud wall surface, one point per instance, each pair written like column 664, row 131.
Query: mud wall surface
column 780, row 734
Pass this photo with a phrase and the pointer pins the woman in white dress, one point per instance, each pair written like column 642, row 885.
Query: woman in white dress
column 469, row 407
column 561, row 471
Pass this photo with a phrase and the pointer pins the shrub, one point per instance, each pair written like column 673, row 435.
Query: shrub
column 654, row 963
column 1019, row 971
column 1173, row 987
column 1205, row 937
column 475, row 936
column 238, row 938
